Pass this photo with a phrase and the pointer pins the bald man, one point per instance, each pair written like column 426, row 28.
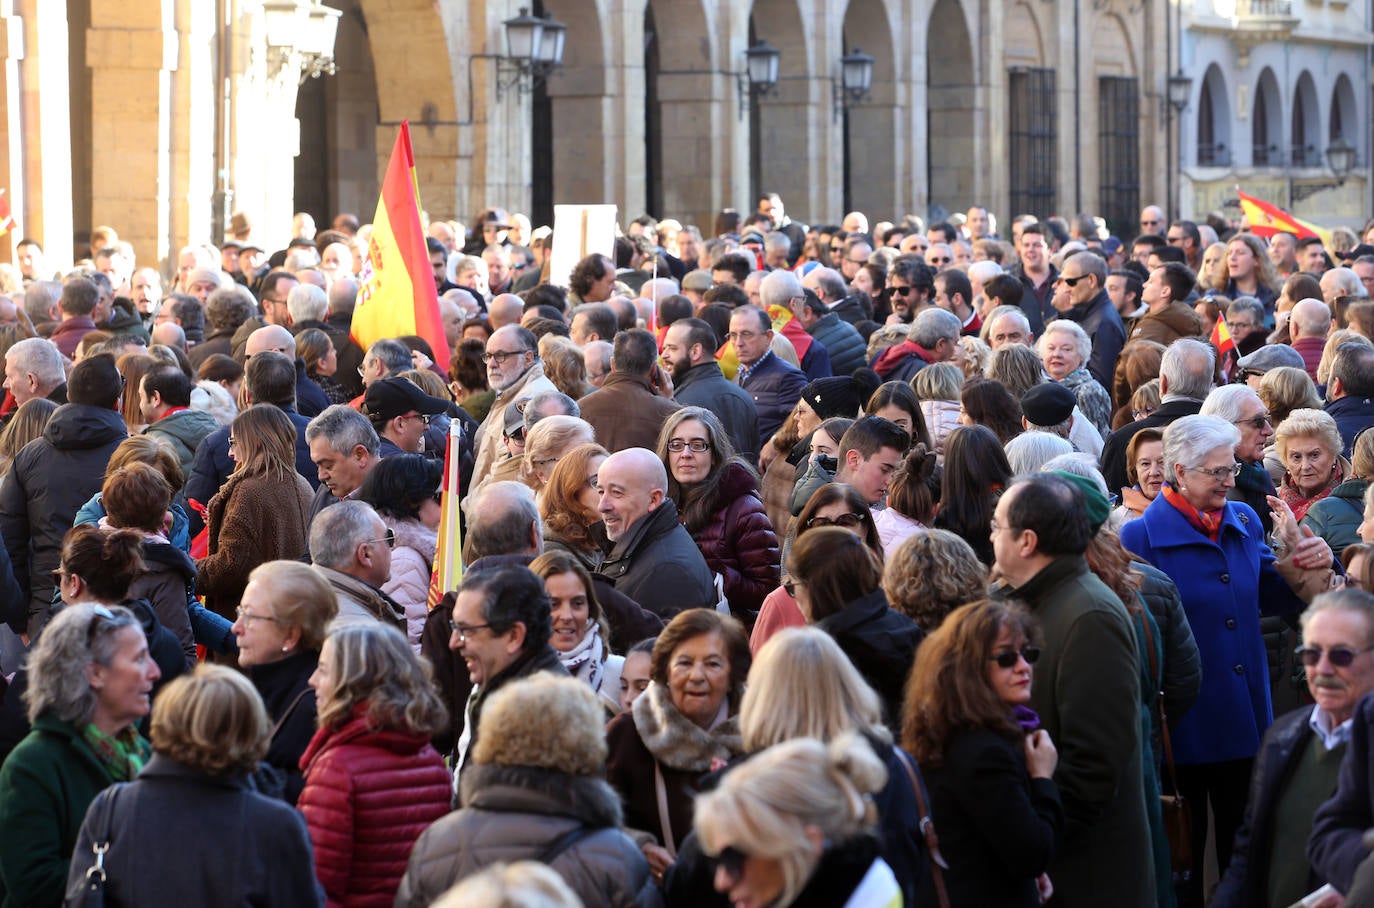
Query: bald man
column 505, row 309
column 654, row 560
column 310, row 397
column 1308, row 325
column 170, row 334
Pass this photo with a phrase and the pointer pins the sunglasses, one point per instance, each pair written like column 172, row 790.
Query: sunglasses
column 1009, row 658
column 939, row 260
column 1072, row 281
column 1339, row 656
column 901, row 291
column 731, row 860
column 848, row 521
column 790, row 586
column 1254, row 422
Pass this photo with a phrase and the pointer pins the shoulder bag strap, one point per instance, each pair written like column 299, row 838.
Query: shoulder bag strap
column 1163, row 717
column 664, row 821
column 564, row 842
column 286, row 713
column 927, row 827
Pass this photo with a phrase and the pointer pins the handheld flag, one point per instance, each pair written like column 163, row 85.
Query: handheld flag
column 7, row 223
column 448, row 562
column 397, row 295
column 1267, row 219
column 1221, row 336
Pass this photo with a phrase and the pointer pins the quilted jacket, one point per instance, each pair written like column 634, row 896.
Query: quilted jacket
column 369, row 793
column 739, row 543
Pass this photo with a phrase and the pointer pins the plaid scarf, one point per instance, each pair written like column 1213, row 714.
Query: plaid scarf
column 122, row 755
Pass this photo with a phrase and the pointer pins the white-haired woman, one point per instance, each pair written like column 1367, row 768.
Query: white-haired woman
column 793, row 827
column 1241, row 406
column 1309, row 445
column 1065, row 350
column 1214, row 551
column 90, row 677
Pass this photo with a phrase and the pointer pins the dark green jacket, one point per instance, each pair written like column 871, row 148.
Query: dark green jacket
column 46, row 785
column 1086, row 690
column 1337, row 517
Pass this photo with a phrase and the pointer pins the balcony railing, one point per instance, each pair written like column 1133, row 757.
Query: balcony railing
column 1266, row 156
column 1306, row 156
column 1215, row 155
column 1264, row 9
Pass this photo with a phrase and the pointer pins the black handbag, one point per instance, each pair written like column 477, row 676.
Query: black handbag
column 89, row 891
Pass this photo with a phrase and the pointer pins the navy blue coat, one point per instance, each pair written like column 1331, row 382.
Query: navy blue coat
column 775, row 386
column 816, row 362
column 1225, row 586
column 1352, row 415
column 842, row 341
column 1100, row 319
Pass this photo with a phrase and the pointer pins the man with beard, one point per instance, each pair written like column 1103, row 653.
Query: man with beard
column 514, row 370
column 689, row 356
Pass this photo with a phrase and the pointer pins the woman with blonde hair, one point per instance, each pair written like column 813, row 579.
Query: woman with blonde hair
column 373, row 782
column 989, row 767
column 1207, row 270
column 261, row 513
column 937, row 386
column 1309, row 447
column 27, row 423
column 1334, row 340
column 932, row 574
column 568, row 507
column 545, row 444
column 1283, row 390
column 792, row 827
column 209, row 730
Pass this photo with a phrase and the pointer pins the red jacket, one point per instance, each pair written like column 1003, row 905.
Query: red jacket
column 369, row 793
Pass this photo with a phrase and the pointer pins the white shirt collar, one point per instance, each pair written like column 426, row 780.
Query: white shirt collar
column 1331, row 738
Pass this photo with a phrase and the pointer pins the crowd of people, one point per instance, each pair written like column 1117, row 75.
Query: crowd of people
column 802, row 566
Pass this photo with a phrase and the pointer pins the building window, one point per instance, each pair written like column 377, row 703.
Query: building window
column 1032, row 140
column 1118, row 152
column 1266, row 128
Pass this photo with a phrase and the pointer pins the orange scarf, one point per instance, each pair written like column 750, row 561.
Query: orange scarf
column 1208, row 523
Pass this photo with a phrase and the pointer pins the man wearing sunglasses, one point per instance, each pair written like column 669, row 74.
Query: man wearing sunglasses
column 351, row 548
column 1087, row 688
column 1298, row 766
column 400, row 413
column 1081, row 296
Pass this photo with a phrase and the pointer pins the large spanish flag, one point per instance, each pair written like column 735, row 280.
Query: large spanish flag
column 1267, row 219
column 448, row 564
column 397, row 295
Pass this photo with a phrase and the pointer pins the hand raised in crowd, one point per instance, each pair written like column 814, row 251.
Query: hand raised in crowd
column 1309, row 550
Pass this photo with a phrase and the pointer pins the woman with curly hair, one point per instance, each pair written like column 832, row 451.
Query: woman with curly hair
column 373, row 782
column 930, row 575
column 717, row 496
column 1245, row 270
column 989, row 766
column 568, row 508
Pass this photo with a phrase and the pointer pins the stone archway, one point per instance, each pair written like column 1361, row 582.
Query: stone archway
column 870, row 132
column 780, row 124
column 950, row 138
column 582, row 110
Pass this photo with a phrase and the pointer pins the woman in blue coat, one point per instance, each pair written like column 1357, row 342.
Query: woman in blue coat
column 1215, row 552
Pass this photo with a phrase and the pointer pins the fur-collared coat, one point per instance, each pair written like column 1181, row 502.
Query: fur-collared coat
column 655, row 733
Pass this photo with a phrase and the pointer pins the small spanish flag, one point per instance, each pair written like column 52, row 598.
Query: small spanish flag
column 448, row 564
column 1221, row 336
column 7, row 223
column 1267, row 219
column 397, row 295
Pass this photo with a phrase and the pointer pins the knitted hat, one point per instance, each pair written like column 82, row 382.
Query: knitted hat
column 838, row 395
column 1098, row 507
column 1048, row 404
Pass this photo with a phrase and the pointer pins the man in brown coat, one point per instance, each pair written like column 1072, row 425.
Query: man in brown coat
column 629, row 409
column 1169, row 316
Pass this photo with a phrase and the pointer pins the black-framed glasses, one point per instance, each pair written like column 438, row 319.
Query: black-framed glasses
column 1339, row 656
column 848, row 521
column 696, row 445
column 901, row 291
column 502, row 355
column 1254, row 422
column 389, row 538
column 731, row 860
column 1220, row 474
column 939, row 260
column 464, row 631
column 790, row 585
column 1009, row 658
column 1072, row 281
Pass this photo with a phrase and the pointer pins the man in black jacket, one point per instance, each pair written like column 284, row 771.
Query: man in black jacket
column 1081, row 296
column 689, row 353
column 49, row 480
column 1299, row 759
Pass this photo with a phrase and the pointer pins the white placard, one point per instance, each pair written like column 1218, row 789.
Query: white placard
column 580, row 231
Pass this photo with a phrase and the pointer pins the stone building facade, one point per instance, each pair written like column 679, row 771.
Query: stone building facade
column 159, row 117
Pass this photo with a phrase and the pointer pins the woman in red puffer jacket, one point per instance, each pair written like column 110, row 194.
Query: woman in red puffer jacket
column 717, row 495
column 373, row 783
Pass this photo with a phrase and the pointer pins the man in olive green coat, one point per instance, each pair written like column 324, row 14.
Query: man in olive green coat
column 1086, row 690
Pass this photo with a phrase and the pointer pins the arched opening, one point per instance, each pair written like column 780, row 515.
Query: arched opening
column 571, row 117
column 336, row 169
column 1305, row 129
column 870, row 128
column 1118, row 126
column 1344, row 122
column 1213, row 121
column 681, row 80
column 950, row 148
column 779, row 124
column 1266, row 123
column 1032, row 131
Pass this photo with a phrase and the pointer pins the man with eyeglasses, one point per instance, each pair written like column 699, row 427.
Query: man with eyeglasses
column 1298, row 768
column 350, row 546
column 774, row 385
column 513, row 371
column 1241, row 407
column 910, row 283
column 857, row 250
column 400, row 413
column 1152, row 220
column 939, row 256
column 1087, row 686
